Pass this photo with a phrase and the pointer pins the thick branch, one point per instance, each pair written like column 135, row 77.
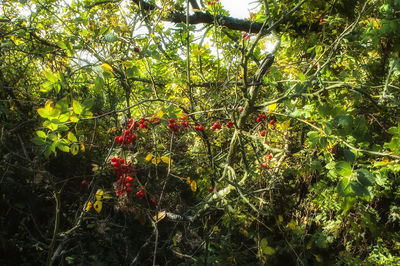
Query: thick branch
column 207, row 18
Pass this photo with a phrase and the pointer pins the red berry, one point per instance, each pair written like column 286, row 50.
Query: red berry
column 128, row 184
column 263, row 133
column 240, row 109
column 127, row 132
column 211, row 189
column 136, row 49
column 140, row 194
column 171, row 120
column 154, row 202
column 121, row 160
column 183, row 118
column 84, row 184
column 133, row 137
column 270, row 157
column 258, row 119
column 321, row 20
column 120, row 139
column 271, row 122
column 245, row 36
column 229, row 124
column 315, row 66
column 216, row 126
column 130, row 121
column 217, row 189
column 128, row 189
column 128, row 179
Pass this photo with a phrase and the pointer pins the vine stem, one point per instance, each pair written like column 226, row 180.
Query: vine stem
column 56, row 196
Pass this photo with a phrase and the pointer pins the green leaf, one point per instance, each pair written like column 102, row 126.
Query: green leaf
column 41, row 134
column 365, row 177
column 62, row 147
column 349, row 156
column 77, row 107
column 49, row 125
column 74, row 149
column 343, row 168
column 43, row 112
column 72, row 137
column 38, row 141
column 343, row 187
column 359, row 189
column 110, row 37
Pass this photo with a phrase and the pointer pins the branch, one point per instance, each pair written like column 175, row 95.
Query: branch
column 207, row 18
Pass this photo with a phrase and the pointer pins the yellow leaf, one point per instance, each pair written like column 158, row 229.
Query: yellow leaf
column 160, row 113
column 193, row 186
column 98, row 205
column 268, row 250
column 207, row 45
column 149, row 157
column 88, row 206
column 166, row 159
column 160, row 216
column 318, row 258
column 99, row 194
column 82, row 147
column 156, row 160
column 292, row 225
column 95, row 167
column 272, row 107
column 280, row 218
column 107, row 67
column 188, row 180
column 285, row 125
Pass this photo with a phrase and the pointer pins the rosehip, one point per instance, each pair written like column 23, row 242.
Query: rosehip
column 229, row 124
column 84, row 184
column 263, row 133
column 211, row 189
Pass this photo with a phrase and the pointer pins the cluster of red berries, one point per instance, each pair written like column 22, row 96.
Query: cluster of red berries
column 199, row 128
column 122, row 170
column 211, row 189
column 229, row 124
column 245, row 36
column 261, row 117
column 216, row 126
column 175, row 126
column 264, row 164
column 140, row 194
column 210, row 3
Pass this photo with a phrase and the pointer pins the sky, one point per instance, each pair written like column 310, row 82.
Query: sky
column 239, row 8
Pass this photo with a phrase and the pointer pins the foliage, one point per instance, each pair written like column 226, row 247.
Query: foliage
column 132, row 135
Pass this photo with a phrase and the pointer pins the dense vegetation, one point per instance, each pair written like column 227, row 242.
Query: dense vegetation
column 169, row 133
